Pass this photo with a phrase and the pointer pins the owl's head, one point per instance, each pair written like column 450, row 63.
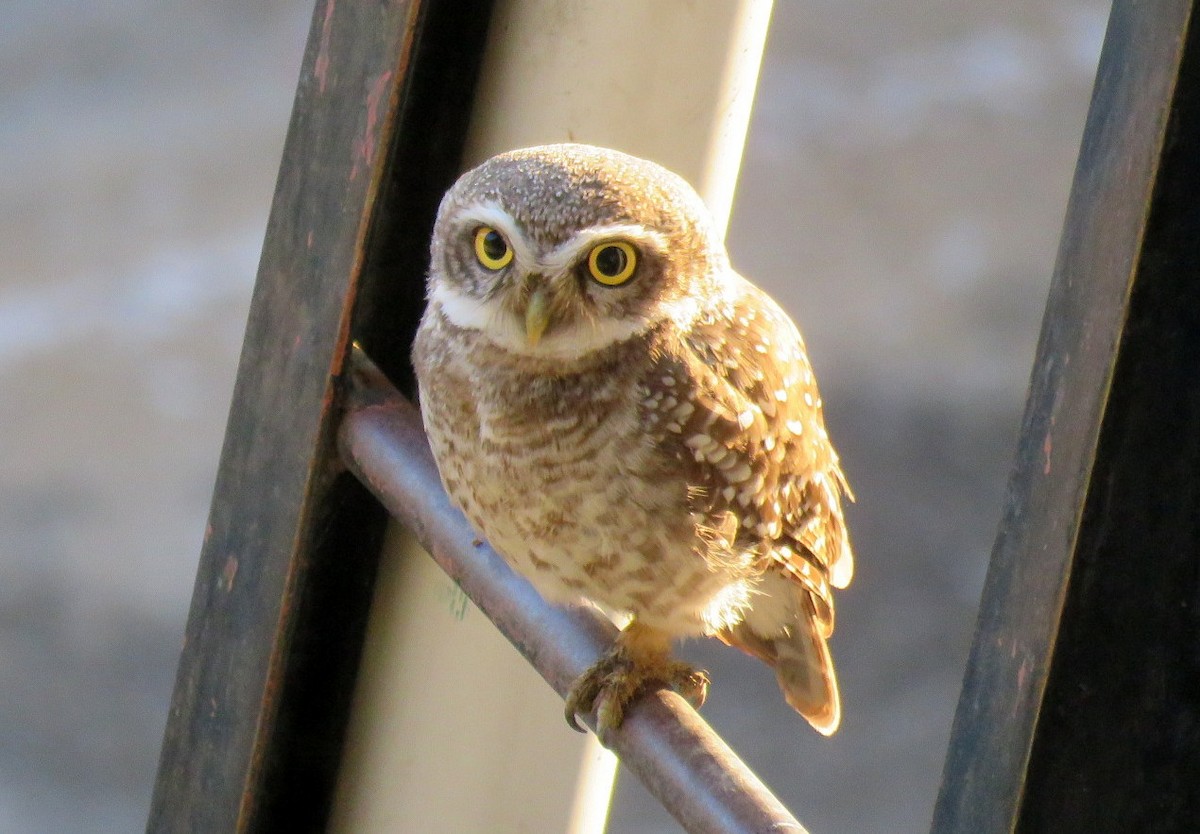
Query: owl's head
column 559, row 251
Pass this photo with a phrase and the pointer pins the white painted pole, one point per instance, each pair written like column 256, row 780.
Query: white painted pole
column 668, row 80
column 451, row 730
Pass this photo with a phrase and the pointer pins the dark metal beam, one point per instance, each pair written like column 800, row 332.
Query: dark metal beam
column 662, row 740
column 287, row 568
column 1080, row 710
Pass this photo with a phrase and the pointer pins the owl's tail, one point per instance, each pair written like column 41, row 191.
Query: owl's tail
column 800, row 657
column 805, row 672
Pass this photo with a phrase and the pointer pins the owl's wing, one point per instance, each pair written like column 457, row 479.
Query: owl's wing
column 753, row 441
column 739, row 399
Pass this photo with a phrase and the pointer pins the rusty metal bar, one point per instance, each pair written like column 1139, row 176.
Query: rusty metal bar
column 1080, row 709
column 672, row 750
column 285, row 578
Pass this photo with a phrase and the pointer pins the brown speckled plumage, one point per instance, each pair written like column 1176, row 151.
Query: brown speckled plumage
column 659, row 450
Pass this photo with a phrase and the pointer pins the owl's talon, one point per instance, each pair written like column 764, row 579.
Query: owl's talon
column 582, row 698
column 573, row 721
column 692, row 684
column 612, row 684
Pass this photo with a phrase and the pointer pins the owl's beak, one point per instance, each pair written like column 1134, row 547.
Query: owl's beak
column 537, row 316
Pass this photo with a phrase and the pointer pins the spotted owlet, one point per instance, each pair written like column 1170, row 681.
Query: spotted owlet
column 630, row 422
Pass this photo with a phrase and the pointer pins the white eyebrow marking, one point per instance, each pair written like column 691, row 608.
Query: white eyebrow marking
column 489, row 213
column 565, row 255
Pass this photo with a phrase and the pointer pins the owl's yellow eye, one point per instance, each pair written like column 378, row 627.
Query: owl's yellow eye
column 492, row 249
column 613, row 263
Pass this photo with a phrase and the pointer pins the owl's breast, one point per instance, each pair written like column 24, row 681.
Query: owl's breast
column 559, row 474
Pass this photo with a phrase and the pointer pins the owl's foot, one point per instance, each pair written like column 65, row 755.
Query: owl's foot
column 640, row 660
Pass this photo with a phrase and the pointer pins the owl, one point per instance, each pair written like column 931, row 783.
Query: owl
column 630, row 423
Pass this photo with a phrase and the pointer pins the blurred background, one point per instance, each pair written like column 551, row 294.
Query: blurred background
column 902, row 193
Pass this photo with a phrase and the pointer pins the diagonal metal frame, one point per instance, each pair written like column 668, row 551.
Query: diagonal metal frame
column 1080, row 710
column 287, row 568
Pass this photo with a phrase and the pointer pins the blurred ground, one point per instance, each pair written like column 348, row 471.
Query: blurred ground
column 903, row 191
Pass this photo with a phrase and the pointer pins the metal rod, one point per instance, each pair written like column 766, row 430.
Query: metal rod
column 704, row 785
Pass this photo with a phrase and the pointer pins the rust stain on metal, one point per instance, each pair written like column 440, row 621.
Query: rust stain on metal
column 229, row 573
column 321, row 65
column 364, row 146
